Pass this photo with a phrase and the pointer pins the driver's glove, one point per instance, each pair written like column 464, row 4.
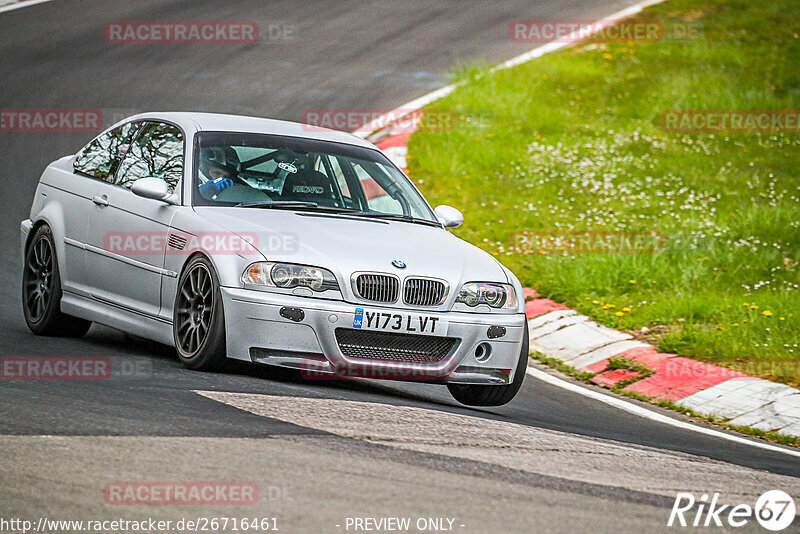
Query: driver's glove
column 215, row 186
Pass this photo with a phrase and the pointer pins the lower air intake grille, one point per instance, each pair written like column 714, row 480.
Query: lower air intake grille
column 377, row 287
column 401, row 348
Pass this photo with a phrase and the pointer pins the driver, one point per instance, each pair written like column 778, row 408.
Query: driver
column 219, row 165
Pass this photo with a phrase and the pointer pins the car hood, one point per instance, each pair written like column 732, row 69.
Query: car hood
column 352, row 244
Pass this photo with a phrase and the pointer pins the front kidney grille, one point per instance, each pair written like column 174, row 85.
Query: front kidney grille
column 423, row 292
column 400, row 348
column 377, row 287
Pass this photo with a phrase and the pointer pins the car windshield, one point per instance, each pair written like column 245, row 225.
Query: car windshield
column 269, row 171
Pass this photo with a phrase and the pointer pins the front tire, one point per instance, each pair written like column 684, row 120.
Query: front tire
column 198, row 324
column 478, row 395
column 41, row 290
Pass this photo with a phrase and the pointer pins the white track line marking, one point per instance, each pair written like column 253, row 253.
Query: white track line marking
column 650, row 414
column 17, row 5
column 539, row 51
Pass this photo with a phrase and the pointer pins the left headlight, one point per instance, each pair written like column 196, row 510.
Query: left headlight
column 498, row 296
column 289, row 276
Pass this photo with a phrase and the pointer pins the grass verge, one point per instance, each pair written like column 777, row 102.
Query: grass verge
column 572, row 144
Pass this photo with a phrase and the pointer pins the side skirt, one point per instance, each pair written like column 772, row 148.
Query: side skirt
column 123, row 319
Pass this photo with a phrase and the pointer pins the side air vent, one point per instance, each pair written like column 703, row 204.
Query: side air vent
column 177, row 242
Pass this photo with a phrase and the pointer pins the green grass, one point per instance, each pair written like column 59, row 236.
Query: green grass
column 572, row 142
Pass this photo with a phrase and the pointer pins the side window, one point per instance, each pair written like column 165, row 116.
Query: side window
column 156, row 152
column 101, row 157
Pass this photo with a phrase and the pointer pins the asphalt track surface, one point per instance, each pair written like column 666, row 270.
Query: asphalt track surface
column 61, row 441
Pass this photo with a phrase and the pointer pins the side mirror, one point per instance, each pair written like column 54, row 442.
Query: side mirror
column 154, row 188
column 448, row 216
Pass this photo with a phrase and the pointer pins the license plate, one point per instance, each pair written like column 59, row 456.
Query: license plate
column 405, row 323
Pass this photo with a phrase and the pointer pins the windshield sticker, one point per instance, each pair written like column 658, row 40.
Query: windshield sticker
column 315, row 189
column 288, row 167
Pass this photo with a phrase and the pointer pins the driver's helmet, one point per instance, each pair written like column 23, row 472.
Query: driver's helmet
column 223, row 157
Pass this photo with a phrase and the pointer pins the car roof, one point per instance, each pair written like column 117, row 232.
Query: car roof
column 219, row 122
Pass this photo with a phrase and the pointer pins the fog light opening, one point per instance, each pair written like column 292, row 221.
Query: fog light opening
column 483, row 352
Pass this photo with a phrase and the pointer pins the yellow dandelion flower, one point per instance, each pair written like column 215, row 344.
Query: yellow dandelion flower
column 619, row 314
column 783, row 318
column 767, row 313
column 595, row 302
column 745, row 304
column 654, row 282
column 631, row 281
column 626, row 309
column 607, row 56
column 735, row 324
column 753, row 307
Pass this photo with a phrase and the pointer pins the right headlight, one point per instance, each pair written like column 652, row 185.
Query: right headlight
column 498, row 296
column 289, row 276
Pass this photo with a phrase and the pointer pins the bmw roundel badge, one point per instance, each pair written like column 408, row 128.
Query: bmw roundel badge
column 399, row 264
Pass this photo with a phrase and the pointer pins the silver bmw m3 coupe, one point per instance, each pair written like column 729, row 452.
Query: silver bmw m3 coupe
column 271, row 242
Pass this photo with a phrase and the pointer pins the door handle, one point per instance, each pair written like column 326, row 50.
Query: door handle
column 100, row 200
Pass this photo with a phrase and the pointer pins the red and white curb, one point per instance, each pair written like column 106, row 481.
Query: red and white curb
column 396, row 149
column 739, row 399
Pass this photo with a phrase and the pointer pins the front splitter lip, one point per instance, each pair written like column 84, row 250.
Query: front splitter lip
column 317, row 367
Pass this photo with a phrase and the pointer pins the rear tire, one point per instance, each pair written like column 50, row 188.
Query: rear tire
column 41, row 290
column 198, row 324
column 478, row 395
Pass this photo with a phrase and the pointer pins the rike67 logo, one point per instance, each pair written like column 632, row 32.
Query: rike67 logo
column 774, row 510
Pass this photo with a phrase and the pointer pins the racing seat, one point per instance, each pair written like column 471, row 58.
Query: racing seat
column 307, row 185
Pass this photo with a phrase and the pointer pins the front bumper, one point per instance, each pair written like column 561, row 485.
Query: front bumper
column 257, row 331
column 25, row 228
